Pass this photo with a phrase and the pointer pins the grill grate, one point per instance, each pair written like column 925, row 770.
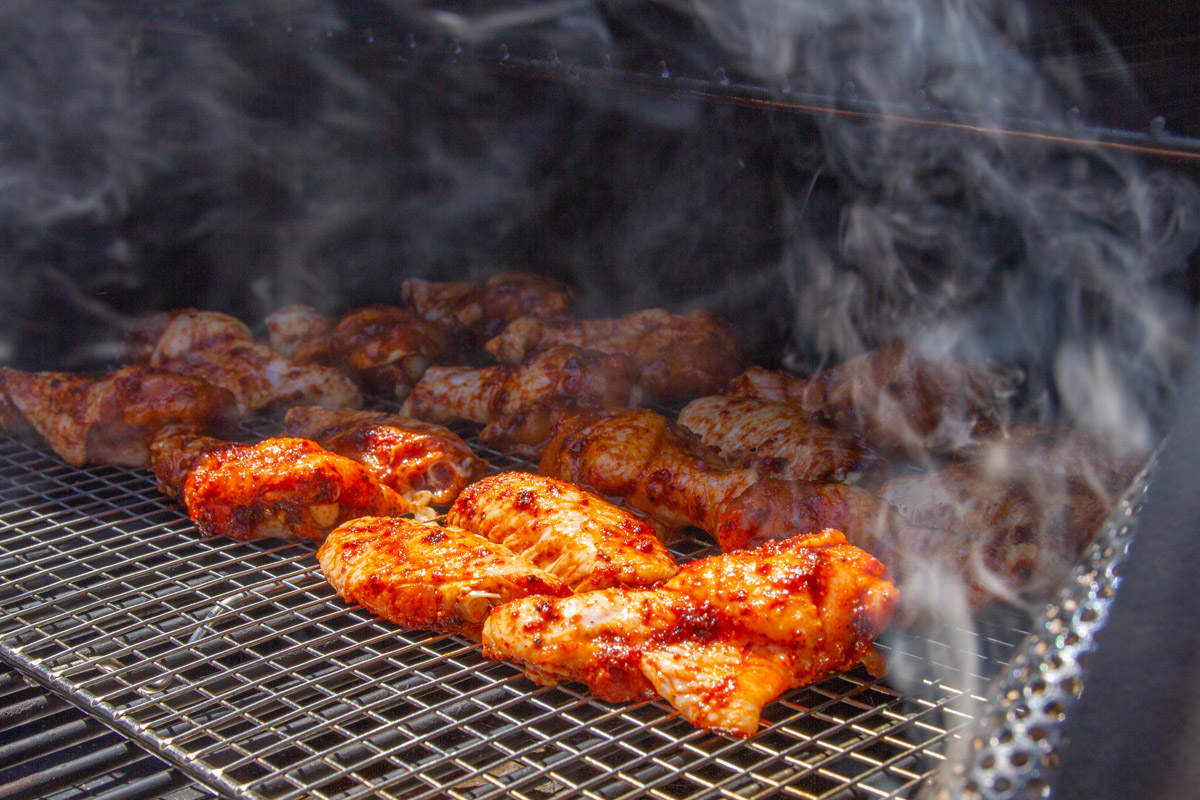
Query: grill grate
column 239, row 664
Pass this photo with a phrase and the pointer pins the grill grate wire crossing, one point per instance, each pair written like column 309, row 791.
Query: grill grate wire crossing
column 238, row 664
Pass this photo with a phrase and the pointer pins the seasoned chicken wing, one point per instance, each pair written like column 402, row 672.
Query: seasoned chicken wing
column 901, row 401
column 485, row 308
column 285, row 488
column 652, row 464
column 423, row 462
column 677, row 356
column 428, row 576
column 291, row 326
column 108, row 419
column 518, row 404
column 779, row 440
column 223, row 351
column 725, row 636
column 581, row 538
column 384, row 349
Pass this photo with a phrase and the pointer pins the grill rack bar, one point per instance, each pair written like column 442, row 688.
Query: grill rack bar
column 237, row 663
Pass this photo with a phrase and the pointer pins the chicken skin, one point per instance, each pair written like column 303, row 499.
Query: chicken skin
column 108, row 419
column 652, row 464
column 720, row 640
column 518, row 404
column 424, row 463
column 424, row 576
column 222, row 350
column 278, row 488
column 382, row 348
column 485, row 308
column 779, row 440
column 577, row 536
column 899, row 400
column 677, row 356
column 291, row 326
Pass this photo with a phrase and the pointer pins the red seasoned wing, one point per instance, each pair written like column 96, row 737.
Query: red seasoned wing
column 518, row 404
column 485, row 308
column 677, row 356
column 423, row 462
column 721, row 639
column 108, row 419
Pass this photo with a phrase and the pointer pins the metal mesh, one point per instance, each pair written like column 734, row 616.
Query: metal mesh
column 239, row 664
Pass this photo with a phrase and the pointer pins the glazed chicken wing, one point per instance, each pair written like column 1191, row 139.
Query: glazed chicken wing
column 677, row 356
column 651, row 463
column 424, row 463
column 291, row 326
column 285, row 488
column 427, row 576
column 108, row 419
column 223, row 351
column 485, row 308
column 779, row 440
column 581, row 538
column 901, row 401
column 718, row 641
column 383, row 349
column 518, row 404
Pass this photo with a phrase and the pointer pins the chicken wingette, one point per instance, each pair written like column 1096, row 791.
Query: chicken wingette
column 425, row 576
column 223, row 351
column 423, row 462
column 518, row 404
column 108, row 419
column 677, row 356
column 650, row 463
column 278, row 488
column 779, row 440
column 725, row 636
column 581, row 538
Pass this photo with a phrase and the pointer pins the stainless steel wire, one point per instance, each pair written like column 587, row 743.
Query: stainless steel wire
column 237, row 663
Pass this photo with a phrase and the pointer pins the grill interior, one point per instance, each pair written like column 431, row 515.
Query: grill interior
column 237, row 663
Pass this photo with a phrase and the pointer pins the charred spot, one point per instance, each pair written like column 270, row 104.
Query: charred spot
column 435, row 537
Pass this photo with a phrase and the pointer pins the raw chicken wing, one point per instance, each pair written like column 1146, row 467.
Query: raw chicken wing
column 677, row 356
column 108, row 419
column 428, row 576
column 779, row 439
column 581, row 538
column 423, row 462
column 518, row 404
column 718, row 641
column 285, row 488
column 652, row 464
column 485, row 308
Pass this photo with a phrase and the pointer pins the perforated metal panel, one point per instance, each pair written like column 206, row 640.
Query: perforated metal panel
column 239, row 664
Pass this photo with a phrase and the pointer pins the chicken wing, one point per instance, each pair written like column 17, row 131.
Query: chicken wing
column 518, row 404
column 581, row 538
column 779, row 440
column 285, row 488
column 485, row 308
column 424, row 463
column 677, row 356
column 651, row 463
column 291, row 326
column 901, row 401
column 382, row 348
column 108, row 419
column 223, row 351
column 725, row 636
column 427, row 576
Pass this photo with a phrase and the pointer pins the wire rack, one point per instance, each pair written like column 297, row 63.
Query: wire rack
column 238, row 663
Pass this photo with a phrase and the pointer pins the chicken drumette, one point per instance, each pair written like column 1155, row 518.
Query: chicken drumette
column 425, row 463
column 428, row 576
column 518, row 404
column 108, row 419
column 282, row 487
column 581, row 538
column 677, row 356
column 725, row 636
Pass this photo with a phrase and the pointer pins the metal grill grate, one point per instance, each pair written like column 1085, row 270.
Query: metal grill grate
column 238, row 663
